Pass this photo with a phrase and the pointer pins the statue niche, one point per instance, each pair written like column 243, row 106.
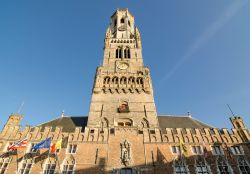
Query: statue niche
column 125, row 153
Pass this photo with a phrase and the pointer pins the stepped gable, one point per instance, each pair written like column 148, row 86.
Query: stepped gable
column 170, row 121
column 68, row 124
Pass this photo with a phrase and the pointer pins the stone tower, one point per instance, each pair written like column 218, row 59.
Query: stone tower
column 122, row 92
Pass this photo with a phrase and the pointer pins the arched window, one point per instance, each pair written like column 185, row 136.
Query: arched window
column 50, row 166
column 139, row 81
column 118, row 53
column 115, row 80
column 123, row 80
column 128, row 23
column 105, row 122
column 115, row 22
column 122, row 21
column 4, row 164
column 25, row 166
column 144, row 123
column 68, row 166
column 131, row 81
column 106, row 81
column 127, row 53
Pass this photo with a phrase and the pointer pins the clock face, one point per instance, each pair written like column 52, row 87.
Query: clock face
column 122, row 66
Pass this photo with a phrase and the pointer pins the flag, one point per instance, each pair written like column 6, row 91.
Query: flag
column 183, row 148
column 19, row 144
column 43, row 144
column 56, row 146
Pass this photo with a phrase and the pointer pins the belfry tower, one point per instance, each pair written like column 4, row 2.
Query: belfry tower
column 122, row 92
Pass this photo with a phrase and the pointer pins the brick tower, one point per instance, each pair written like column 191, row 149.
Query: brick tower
column 122, row 93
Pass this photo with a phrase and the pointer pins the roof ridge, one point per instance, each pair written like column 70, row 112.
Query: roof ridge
column 203, row 122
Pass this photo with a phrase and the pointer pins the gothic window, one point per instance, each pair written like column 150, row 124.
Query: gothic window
column 180, row 167
column 115, row 22
column 106, row 80
column 165, row 138
column 105, row 122
column 50, row 166
column 216, row 150
column 202, row 167
column 145, row 123
column 196, row 139
column 123, row 80
column 186, row 139
column 237, row 150
column 118, row 53
column 122, row 21
column 127, row 53
column 223, row 167
column 128, row 23
column 72, row 148
column 115, row 80
column 4, row 163
column 131, row 81
column 68, row 166
column 243, row 166
column 25, row 166
column 196, row 150
column 205, row 139
column 139, row 81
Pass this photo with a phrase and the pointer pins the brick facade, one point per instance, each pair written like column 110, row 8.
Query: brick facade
column 122, row 133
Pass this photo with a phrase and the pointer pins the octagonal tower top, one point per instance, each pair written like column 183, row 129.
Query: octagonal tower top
column 122, row 24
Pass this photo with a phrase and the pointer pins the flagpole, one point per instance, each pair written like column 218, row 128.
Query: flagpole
column 17, row 161
column 57, row 159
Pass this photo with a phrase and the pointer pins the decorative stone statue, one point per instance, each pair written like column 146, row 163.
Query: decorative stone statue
column 125, row 153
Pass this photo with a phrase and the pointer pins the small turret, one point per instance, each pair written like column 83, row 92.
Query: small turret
column 239, row 125
column 14, row 119
column 12, row 125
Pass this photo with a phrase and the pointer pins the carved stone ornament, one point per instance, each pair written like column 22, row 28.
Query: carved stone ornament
column 125, row 153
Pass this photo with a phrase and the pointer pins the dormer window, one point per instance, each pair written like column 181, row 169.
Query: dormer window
column 122, row 20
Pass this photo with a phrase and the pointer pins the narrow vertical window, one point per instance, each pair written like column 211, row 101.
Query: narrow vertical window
column 50, row 166
column 120, row 53
column 26, row 166
column 4, row 164
column 117, row 53
column 72, row 148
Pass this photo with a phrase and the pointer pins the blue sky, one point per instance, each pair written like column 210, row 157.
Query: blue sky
column 198, row 53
